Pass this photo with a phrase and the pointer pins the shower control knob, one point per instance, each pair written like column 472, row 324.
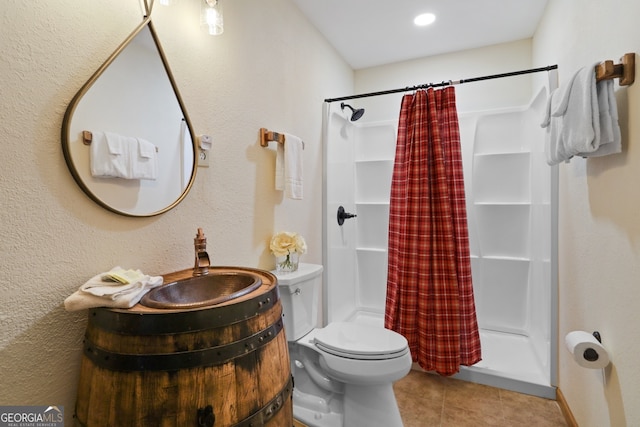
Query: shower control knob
column 342, row 215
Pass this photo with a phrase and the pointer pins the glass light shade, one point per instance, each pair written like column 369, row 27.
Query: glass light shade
column 211, row 17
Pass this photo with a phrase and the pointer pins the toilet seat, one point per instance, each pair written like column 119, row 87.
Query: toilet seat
column 362, row 342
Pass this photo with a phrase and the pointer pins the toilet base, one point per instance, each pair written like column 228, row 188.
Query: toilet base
column 366, row 406
column 312, row 418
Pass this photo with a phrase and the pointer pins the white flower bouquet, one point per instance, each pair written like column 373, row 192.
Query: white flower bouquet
column 287, row 247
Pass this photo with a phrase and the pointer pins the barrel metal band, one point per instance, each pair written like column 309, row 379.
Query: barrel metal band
column 270, row 410
column 180, row 360
column 170, row 322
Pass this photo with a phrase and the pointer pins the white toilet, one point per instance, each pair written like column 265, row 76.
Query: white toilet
column 343, row 373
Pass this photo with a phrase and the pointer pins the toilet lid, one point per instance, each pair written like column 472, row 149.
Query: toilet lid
column 357, row 341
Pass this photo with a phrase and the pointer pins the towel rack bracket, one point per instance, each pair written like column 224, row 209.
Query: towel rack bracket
column 625, row 70
column 87, row 137
column 267, row 135
column 628, row 69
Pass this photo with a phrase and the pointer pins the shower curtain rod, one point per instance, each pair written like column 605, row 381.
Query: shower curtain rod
column 444, row 83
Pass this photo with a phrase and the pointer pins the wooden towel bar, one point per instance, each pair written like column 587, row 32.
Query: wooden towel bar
column 268, row 135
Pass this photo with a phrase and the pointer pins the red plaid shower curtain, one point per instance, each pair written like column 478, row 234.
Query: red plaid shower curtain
column 429, row 288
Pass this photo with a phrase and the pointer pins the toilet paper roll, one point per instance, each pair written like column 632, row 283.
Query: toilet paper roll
column 586, row 350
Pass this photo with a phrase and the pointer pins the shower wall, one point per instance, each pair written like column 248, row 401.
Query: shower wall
column 358, row 168
column 509, row 213
column 510, row 223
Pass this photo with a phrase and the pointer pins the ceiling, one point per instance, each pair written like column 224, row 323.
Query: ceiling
column 369, row 33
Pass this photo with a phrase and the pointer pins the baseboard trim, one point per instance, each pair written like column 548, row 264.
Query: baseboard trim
column 566, row 411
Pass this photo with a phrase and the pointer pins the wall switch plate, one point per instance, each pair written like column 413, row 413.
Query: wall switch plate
column 203, row 158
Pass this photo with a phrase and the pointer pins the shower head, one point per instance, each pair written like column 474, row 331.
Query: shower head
column 355, row 114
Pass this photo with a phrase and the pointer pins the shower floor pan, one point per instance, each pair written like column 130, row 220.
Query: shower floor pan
column 508, row 362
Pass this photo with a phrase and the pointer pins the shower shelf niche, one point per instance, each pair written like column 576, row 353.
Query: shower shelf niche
column 372, row 190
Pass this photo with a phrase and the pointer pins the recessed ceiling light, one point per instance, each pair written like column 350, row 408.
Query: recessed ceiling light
column 424, row 19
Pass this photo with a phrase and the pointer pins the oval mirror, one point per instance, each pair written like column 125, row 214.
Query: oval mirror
column 126, row 135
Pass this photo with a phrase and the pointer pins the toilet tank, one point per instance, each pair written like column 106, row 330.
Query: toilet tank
column 300, row 297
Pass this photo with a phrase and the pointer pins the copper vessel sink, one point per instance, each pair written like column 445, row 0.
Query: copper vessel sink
column 202, row 291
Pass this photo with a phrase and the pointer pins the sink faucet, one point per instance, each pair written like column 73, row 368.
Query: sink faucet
column 202, row 257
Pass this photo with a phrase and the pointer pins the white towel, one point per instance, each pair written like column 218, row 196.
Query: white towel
column 581, row 119
column 289, row 167
column 144, row 162
column 573, row 118
column 109, row 155
column 610, row 137
column 118, row 156
column 554, row 147
column 102, row 291
column 280, row 167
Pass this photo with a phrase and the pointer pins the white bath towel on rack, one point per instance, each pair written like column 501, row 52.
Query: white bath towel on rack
column 582, row 119
column 610, row 136
column 572, row 118
column 289, row 167
column 144, row 162
column 118, row 156
column 109, row 157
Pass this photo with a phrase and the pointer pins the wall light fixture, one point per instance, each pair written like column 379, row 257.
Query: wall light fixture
column 211, row 16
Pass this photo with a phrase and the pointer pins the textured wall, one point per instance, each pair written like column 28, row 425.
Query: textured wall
column 269, row 69
column 599, row 239
column 477, row 96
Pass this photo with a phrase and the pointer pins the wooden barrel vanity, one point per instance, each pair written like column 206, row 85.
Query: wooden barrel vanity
column 222, row 365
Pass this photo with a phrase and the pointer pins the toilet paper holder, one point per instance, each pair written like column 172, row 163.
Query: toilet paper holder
column 590, row 354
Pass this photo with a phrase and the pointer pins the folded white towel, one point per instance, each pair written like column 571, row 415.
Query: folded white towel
column 581, row 119
column 610, row 137
column 116, row 144
column 117, row 156
column 109, row 156
column 289, row 167
column 573, row 116
column 554, row 146
column 144, row 164
column 280, row 167
column 293, row 167
column 103, row 291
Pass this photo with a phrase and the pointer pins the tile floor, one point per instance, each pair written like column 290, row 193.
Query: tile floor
column 428, row 400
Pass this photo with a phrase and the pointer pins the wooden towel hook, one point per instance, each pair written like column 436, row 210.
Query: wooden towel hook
column 625, row 71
